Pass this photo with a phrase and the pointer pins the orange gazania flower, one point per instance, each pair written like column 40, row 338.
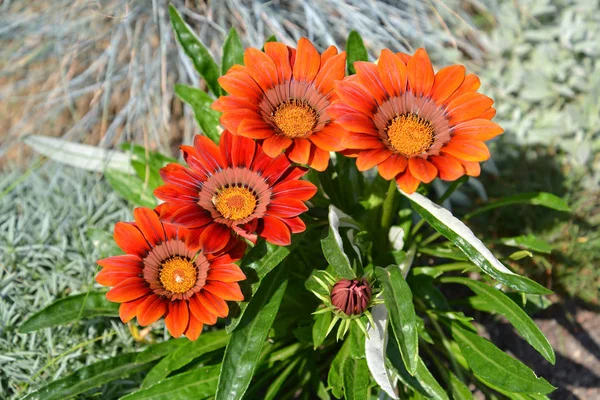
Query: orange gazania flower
column 413, row 124
column 165, row 273
column 234, row 188
column 281, row 95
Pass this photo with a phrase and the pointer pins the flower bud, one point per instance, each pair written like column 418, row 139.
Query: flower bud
column 351, row 296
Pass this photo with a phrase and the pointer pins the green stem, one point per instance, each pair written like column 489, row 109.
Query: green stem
column 446, row 344
column 388, row 206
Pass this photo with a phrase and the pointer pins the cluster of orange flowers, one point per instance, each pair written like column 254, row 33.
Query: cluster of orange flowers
column 287, row 107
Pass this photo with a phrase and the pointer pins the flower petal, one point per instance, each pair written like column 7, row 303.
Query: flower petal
column 468, row 150
column 449, row 168
column 299, row 151
column 420, row 73
column 177, row 318
column 422, row 169
column 200, row 312
column 261, row 68
column 477, row 129
column 286, row 207
column 281, row 57
column 368, row 76
column 301, row 190
column 276, row 144
column 275, row 231
column 393, row 73
column 130, row 239
column 356, row 96
column 392, row 167
column 407, row 182
column 194, row 329
column 255, row 129
column 149, row 224
column 446, row 81
column 318, row 159
column 128, row 290
column 307, row 61
column 151, row 309
column 225, row 290
column 225, row 273
column 128, row 309
column 215, row 237
column 332, row 70
column 370, row 158
column 468, row 106
column 213, row 304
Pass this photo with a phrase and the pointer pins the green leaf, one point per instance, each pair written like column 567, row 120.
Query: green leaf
column 271, row 38
column 356, row 379
column 207, row 118
column 131, row 188
column 422, row 382
column 71, row 309
column 530, row 303
column 319, row 330
column 147, row 164
column 399, row 302
column 453, row 229
column 529, row 242
column 333, row 246
column 196, row 51
column 233, row 51
column 355, row 51
column 243, row 351
column 159, row 350
column 496, row 367
column 444, row 252
column 281, row 379
column 198, row 383
column 89, row 377
column 183, row 355
column 423, row 288
column 503, row 305
column 537, row 198
column 256, row 265
column 459, row 390
column 353, row 347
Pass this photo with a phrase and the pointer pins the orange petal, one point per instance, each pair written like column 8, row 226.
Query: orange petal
column 241, row 84
column 307, row 61
column 470, row 84
column 393, row 73
column 213, row 304
column 225, row 290
column 299, row 151
column 362, row 141
column 392, row 167
column 281, row 57
column 368, row 76
column 468, row 150
column 276, row 144
column 404, row 57
column 128, row 309
column 333, row 70
column 194, row 329
column 200, row 312
column 112, row 277
column 468, row 106
column 477, row 129
column 422, row 169
column 357, row 122
column 148, row 222
column 472, row 168
column 128, row 290
column 446, row 81
column 420, row 73
column 178, row 317
column 151, row 309
column 130, row 239
column 318, row 158
column 127, row 261
column 356, row 96
column 275, row 231
column 370, row 158
column 328, row 53
column 254, row 129
column 407, row 182
column 326, row 142
column 489, row 114
column 449, row 168
column 225, row 273
column 261, row 68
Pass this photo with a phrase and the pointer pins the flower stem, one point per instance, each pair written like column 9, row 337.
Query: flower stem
column 388, row 206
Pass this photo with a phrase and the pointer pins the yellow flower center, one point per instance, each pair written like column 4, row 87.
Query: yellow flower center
column 295, row 118
column 178, row 274
column 410, row 135
column 235, row 203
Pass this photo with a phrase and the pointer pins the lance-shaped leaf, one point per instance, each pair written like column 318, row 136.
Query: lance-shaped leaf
column 198, row 383
column 233, row 51
column 537, row 199
column 453, row 229
column 497, row 367
column 207, row 118
column 375, row 346
column 244, row 347
column 355, row 51
column 502, row 304
column 529, row 242
column 399, row 303
column 70, row 309
column 196, row 51
column 356, row 379
column 333, row 246
column 183, row 355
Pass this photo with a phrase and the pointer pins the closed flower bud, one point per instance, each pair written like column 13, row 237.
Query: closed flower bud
column 351, row 296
